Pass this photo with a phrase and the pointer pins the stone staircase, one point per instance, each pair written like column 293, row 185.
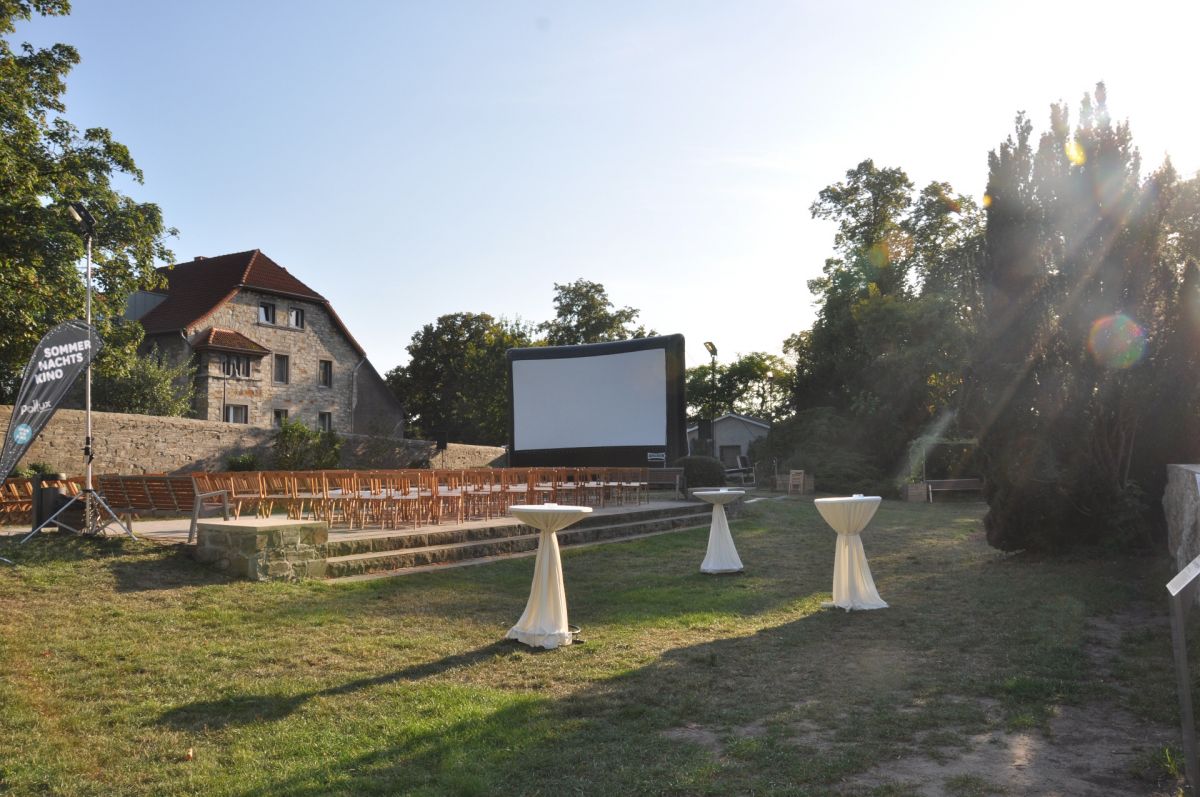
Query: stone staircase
column 438, row 547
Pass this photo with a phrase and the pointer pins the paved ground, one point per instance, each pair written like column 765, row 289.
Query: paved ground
column 174, row 531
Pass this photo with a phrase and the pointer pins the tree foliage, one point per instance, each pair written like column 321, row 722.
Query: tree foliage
column 585, row 314
column 45, row 163
column 296, row 447
column 754, row 384
column 1088, row 309
column 898, row 306
column 456, row 380
column 149, row 385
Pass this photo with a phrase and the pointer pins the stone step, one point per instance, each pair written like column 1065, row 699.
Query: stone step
column 521, row 540
column 433, row 536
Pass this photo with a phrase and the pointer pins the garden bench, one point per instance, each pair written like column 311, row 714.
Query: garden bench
column 664, row 478
column 140, row 496
column 943, row 485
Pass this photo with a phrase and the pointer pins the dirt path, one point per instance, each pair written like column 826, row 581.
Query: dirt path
column 1090, row 750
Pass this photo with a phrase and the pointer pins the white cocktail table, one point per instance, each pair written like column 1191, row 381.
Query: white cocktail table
column 722, row 556
column 853, row 587
column 544, row 623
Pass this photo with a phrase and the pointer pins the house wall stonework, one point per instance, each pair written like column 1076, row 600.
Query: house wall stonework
column 302, row 396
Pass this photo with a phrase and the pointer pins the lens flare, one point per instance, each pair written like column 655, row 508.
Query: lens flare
column 1116, row 341
column 1075, row 153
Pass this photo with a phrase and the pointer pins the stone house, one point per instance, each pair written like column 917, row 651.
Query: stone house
column 266, row 347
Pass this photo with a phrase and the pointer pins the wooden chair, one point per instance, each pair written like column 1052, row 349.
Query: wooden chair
column 448, row 495
column 514, row 484
column 279, row 488
column 342, row 503
column 795, row 482
column 310, row 496
column 543, row 486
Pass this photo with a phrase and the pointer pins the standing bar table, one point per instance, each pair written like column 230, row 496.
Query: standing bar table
column 544, row 623
column 722, row 556
column 853, row 587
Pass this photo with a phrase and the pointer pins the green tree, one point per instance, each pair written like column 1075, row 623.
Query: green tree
column 756, row 384
column 1083, row 312
column 456, row 379
column 45, row 163
column 895, row 311
column 585, row 314
column 149, row 386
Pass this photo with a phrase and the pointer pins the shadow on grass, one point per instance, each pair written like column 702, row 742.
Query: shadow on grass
column 246, row 709
column 172, row 568
column 48, row 547
column 620, row 735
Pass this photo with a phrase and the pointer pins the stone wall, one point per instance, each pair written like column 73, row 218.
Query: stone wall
column 264, row 549
column 134, row 444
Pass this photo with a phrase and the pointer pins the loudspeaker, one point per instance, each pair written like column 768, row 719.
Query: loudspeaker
column 443, row 440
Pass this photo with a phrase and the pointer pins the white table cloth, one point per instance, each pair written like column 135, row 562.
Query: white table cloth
column 544, row 623
column 853, row 587
column 722, row 556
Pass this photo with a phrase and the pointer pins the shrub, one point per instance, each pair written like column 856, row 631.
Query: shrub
column 34, row 469
column 296, row 447
column 701, row 471
column 246, row 461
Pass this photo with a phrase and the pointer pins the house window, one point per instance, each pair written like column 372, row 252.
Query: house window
column 281, row 368
column 236, row 365
column 325, row 373
column 266, row 313
column 280, row 418
column 325, row 421
column 295, row 318
column 237, row 413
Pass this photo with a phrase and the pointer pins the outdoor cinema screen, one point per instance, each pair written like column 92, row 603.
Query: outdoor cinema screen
column 598, row 404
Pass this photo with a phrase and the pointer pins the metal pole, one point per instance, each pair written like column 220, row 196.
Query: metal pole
column 89, row 507
column 712, row 411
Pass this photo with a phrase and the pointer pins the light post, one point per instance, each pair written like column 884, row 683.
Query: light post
column 712, row 399
column 87, row 225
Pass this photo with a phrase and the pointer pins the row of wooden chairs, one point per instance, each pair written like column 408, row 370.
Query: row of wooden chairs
column 397, row 498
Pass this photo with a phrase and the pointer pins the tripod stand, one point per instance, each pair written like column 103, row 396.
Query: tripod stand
column 93, row 502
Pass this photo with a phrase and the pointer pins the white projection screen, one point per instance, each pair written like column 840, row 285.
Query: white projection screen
column 599, row 404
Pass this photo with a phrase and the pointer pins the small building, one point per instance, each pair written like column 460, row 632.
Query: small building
column 732, row 436
column 266, row 347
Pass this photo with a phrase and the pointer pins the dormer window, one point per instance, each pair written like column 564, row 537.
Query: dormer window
column 236, row 365
column 296, row 318
column 266, row 313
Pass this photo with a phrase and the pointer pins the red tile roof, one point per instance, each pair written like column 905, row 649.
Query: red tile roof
column 228, row 340
column 197, row 289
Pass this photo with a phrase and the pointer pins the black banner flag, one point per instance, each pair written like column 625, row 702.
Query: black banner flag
column 60, row 357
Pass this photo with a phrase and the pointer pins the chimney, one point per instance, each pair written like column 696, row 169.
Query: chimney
column 200, row 257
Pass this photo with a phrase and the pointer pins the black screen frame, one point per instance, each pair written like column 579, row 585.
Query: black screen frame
column 609, row 456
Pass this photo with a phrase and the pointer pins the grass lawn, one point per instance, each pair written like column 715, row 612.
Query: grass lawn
column 117, row 658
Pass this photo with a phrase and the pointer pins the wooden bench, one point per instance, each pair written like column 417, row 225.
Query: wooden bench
column 159, row 496
column 945, row 485
column 664, row 479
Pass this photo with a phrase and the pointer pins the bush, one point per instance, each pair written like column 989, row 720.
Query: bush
column 247, row 461
column 701, row 471
column 34, row 469
column 296, row 447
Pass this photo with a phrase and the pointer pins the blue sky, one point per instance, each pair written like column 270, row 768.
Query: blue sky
column 409, row 159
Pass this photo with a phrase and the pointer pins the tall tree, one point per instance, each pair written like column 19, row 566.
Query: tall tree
column 1079, row 293
column 45, row 163
column 456, row 380
column 754, row 384
column 583, row 313
column 891, row 332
